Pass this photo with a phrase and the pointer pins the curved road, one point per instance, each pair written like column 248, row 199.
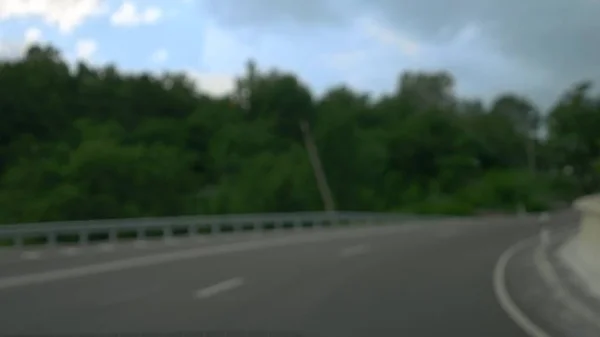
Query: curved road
column 412, row 280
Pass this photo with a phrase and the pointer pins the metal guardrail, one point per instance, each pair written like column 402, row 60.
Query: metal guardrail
column 89, row 231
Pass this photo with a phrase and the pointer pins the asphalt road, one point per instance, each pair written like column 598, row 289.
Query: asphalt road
column 430, row 280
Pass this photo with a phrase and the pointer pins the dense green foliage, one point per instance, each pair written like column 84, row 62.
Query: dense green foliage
column 82, row 142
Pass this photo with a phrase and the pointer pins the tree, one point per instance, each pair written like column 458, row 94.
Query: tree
column 97, row 142
column 573, row 125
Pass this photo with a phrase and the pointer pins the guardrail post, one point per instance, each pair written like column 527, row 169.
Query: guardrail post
column 328, row 223
column 83, row 237
column 168, row 233
column 238, row 227
column 260, row 225
column 335, row 223
column 141, row 234
column 192, row 230
column 249, row 227
column 257, row 228
column 297, row 224
column 112, row 235
column 52, row 241
column 19, row 241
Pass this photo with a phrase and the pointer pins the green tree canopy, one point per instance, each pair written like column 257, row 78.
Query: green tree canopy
column 96, row 142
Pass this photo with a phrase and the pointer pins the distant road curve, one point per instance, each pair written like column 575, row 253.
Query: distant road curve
column 429, row 280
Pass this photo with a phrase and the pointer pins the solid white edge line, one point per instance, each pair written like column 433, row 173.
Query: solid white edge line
column 503, row 296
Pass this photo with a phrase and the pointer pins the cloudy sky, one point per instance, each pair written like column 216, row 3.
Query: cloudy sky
column 532, row 46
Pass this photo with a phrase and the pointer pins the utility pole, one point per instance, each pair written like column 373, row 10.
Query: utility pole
column 315, row 162
column 531, row 154
column 244, row 94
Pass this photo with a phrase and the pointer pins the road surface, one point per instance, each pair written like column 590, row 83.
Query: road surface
column 428, row 280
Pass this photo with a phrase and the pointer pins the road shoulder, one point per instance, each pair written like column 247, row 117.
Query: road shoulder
column 545, row 291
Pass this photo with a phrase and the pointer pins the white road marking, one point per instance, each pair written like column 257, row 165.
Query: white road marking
column 31, row 255
column 503, row 296
column 107, row 247
column 219, row 288
column 71, row 251
column 192, row 253
column 354, row 251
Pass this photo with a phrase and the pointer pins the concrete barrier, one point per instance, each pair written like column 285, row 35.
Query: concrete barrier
column 582, row 253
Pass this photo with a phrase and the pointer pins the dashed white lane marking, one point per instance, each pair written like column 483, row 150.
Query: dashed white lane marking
column 107, row 247
column 31, row 255
column 354, row 250
column 219, row 288
column 503, row 296
column 71, row 251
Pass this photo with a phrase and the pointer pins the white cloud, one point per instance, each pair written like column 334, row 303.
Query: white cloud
column 32, row 35
column 10, row 50
column 389, row 37
column 160, row 56
column 468, row 34
column 212, row 83
column 215, row 84
column 346, row 60
column 66, row 15
column 224, row 52
column 85, row 49
column 129, row 15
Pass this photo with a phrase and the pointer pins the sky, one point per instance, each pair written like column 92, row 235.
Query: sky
column 538, row 48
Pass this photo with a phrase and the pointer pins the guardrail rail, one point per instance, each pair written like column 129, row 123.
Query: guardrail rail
column 112, row 230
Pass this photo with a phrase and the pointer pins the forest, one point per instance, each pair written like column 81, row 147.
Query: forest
column 94, row 142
